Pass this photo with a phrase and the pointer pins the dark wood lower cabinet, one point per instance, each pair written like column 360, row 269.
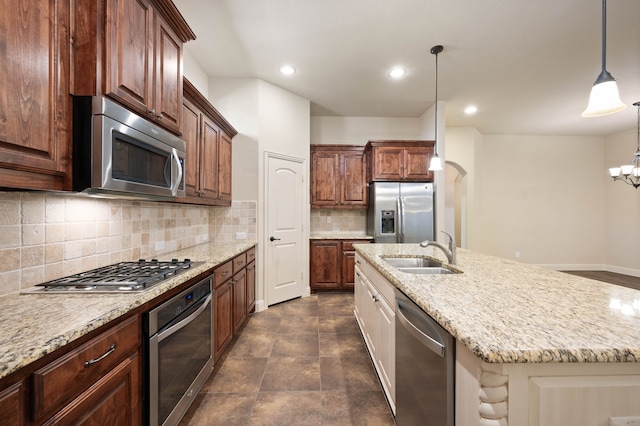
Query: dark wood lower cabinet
column 239, row 299
column 223, row 317
column 12, row 404
column 234, row 297
column 113, row 400
column 332, row 264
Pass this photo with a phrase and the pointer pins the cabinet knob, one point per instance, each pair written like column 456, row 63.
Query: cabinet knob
column 159, row 116
column 152, row 111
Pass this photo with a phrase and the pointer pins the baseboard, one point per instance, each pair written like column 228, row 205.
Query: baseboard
column 574, row 267
column 260, row 306
column 622, row 270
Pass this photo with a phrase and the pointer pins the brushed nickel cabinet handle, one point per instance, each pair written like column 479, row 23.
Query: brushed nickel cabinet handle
column 101, row 357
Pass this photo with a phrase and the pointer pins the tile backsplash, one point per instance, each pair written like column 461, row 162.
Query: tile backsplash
column 46, row 235
column 333, row 220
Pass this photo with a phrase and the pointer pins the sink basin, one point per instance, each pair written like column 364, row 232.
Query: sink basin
column 412, row 262
column 418, row 265
column 427, row 270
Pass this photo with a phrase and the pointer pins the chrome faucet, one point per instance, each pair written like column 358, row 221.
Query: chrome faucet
column 450, row 253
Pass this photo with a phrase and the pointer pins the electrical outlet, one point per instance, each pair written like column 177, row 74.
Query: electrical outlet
column 328, row 219
column 241, row 235
column 624, row 421
column 205, row 236
column 517, row 255
column 159, row 245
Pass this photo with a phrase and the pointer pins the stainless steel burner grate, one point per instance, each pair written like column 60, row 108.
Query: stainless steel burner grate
column 121, row 277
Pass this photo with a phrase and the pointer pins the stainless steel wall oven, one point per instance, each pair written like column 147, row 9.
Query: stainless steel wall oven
column 178, row 353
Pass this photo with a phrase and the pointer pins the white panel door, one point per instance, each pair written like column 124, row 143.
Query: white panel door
column 285, row 202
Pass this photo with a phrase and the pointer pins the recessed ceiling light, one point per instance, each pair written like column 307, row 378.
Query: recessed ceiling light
column 287, row 70
column 471, row 109
column 397, row 72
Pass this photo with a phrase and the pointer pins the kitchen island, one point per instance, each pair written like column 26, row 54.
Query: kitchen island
column 533, row 346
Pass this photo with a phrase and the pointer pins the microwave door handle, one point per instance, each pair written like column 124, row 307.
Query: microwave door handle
column 176, row 183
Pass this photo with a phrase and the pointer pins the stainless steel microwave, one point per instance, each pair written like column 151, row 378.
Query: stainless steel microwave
column 116, row 152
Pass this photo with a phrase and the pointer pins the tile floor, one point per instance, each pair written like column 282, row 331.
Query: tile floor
column 302, row 362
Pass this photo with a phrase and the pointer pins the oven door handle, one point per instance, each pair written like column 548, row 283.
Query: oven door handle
column 183, row 323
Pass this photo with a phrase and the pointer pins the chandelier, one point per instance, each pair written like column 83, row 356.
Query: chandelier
column 630, row 173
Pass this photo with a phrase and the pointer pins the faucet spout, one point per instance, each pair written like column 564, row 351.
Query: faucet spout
column 450, row 252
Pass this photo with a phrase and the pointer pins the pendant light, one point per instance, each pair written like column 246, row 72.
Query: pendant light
column 604, row 98
column 436, row 163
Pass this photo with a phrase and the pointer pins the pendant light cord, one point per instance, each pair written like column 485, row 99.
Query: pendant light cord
column 604, row 35
column 436, row 50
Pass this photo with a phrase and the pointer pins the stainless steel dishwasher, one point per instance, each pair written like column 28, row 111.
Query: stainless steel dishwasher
column 425, row 367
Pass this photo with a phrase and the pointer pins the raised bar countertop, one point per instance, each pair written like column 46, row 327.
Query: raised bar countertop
column 510, row 312
column 33, row 325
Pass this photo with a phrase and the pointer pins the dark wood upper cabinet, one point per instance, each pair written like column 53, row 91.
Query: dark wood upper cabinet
column 400, row 160
column 209, row 141
column 338, row 176
column 35, row 105
column 131, row 50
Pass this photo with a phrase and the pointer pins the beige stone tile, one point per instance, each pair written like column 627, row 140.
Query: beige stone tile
column 73, row 231
column 53, row 271
column 72, row 249
column 54, row 232
column 32, row 208
column 54, row 209
column 9, row 209
column 9, row 282
column 32, row 276
column 10, row 259
column 32, row 234
column 32, row 256
column 10, row 236
column 53, row 253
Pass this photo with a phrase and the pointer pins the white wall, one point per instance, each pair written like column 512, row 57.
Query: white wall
column 238, row 101
column 543, row 197
column 464, row 147
column 360, row 130
column 195, row 74
column 622, row 204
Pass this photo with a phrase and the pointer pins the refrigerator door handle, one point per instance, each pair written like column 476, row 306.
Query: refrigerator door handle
column 400, row 202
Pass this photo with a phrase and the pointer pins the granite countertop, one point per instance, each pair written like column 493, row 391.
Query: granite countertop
column 509, row 312
column 337, row 235
column 34, row 325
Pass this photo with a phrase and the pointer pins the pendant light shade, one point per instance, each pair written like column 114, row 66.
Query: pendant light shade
column 436, row 164
column 604, row 98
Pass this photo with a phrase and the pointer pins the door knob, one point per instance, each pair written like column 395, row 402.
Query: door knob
column 274, row 239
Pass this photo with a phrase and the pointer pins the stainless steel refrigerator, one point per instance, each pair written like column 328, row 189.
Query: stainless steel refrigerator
column 400, row 212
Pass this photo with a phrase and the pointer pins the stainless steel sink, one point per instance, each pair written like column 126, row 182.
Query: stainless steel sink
column 418, row 265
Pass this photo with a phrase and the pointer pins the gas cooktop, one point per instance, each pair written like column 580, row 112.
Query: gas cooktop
column 123, row 277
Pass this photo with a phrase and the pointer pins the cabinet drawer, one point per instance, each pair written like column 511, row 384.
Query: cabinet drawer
column 348, row 245
column 239, row 262
column 224, row 272
column 64, row 379
column 251, row 255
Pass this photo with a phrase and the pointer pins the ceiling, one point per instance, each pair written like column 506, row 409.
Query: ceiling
column 528, row 65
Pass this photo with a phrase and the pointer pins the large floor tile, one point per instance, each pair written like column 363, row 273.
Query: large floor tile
column 238, row 375
column 222, row 409
column 291, row 374
column 298, row 325
column 348, row 373
column 341, row 345
column 253, row 344
column 287, row 408
column 338, row 325
column 293, row 345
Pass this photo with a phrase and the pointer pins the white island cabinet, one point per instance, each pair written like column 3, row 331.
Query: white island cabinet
column 534, row 347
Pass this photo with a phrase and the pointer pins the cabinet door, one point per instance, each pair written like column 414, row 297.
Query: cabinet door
column 190, row 133
column 325, row 265
column 129, row 54
column 324, row 179
column 223, row 325
column 388, row 163
column 360, row 292
column 385, row 353
column 112, row 400
column 35, row 106
column 353, row 188
column 417, row 160
column 167, row 98
column 251, row 287
column 209, row 159
column 239, row 299
column 348, row 273
column 12, row 404
column 224, row 167
column 369, row 318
